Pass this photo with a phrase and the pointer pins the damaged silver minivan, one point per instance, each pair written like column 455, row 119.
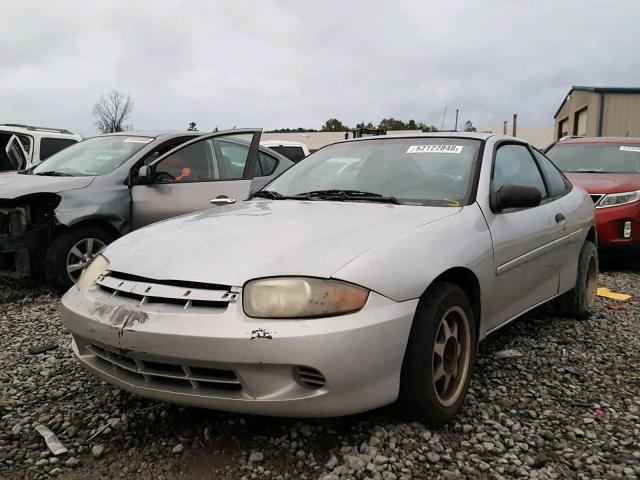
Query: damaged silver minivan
column 56, row 216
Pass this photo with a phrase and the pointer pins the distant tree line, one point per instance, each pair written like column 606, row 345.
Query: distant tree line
column 335, row 125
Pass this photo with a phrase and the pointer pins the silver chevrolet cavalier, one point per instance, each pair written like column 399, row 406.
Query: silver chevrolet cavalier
column 364, row 275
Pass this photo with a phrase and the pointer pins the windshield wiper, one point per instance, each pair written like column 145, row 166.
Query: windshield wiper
column 270, row 194
column 54, row 174
column 348, row 195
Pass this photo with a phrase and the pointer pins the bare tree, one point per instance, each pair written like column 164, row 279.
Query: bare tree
column 111, row 111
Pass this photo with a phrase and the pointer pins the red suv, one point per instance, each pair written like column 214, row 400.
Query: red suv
column 609, row 169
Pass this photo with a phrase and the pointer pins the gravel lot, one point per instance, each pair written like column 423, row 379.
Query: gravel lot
column 568, row 407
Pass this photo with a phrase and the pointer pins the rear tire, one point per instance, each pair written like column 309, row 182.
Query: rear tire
column 70, row 252
column 439, row 358
column 579, row 301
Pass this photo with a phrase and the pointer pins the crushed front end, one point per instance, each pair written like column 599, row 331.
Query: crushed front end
column 26, row 227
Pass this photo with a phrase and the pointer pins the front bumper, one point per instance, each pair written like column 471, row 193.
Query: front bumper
column 219, row 358
column 610, row 224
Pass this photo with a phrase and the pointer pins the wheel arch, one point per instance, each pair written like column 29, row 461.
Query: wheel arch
column 97, row 222
column 592, row 236
column 467, row 280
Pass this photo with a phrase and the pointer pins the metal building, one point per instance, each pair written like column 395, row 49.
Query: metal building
column 599, row 112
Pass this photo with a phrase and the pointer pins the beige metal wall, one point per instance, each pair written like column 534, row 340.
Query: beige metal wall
column 621, row 115
column 580, row 99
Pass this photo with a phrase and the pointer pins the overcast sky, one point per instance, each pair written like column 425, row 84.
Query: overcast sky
column 294, row 63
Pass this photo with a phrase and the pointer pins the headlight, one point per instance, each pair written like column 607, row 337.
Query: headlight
column 301, row 297
column 97, row 267
column 615, row 199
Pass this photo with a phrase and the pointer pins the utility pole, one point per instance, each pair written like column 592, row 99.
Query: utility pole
column 444, row 115
column 515, row 123
column 504, row 128
column 456, row 127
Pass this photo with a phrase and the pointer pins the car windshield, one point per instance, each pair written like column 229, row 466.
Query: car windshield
column 596, row 158
column 94, row 156
column 415, row 171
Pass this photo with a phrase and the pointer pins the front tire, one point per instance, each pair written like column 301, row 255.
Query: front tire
column 579, row 301
column 70, row 253
column 439, row 357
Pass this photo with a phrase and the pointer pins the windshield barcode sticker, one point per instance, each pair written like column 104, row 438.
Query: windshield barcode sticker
column 435, row 149
column 630, row 149
column 138, row 140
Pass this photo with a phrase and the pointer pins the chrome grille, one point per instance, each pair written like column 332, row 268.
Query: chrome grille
column 310, row 378
column 184, row 294
column 165, row 375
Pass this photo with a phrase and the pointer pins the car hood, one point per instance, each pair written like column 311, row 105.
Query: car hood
column 606, row 182
column 233, row 244
column 13, row 185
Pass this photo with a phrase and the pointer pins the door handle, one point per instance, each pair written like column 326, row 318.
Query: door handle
column 221, row 200
column 560, row 218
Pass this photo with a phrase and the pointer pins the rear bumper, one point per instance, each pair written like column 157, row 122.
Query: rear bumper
column 218, row 358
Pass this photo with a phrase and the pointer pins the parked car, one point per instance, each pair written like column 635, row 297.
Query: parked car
column 56, row 216
column 609, row 169
column 329, row 293
column 294, row 151
column 24, row 146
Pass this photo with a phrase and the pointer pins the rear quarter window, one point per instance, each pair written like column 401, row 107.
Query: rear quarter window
column 295, row 154
column 49, row 146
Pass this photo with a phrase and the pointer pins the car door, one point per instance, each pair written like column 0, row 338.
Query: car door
column 527, row 242
column 16, row 153
column 187, row 178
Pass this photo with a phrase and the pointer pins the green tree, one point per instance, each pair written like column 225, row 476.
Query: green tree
column 392, row 124
column 468, row 127
column 192, row 127
column 334, row 125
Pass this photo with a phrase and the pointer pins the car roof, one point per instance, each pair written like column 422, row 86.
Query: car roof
column 615, row 140
column 157, row 133
column 284, row 143
column 30, row 129
column 470, row 135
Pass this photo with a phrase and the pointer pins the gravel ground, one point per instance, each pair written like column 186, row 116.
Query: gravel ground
column 568, row 407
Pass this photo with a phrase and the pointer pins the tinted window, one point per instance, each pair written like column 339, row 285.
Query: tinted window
column 295, row 154
column 555, row 180
column 514, row 165
column 49, row 146
column 417, row 171
column 266, row 165
column 211, row 159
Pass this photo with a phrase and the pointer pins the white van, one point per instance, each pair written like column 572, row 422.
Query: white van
column 294, row 151
column 24, row 146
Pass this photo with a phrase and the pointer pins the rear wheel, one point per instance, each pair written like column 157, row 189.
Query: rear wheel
column 579, row 301
column 71, row 252
column 439, row 357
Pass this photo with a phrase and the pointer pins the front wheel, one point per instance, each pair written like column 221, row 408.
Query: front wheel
column 439, row 356
column 579, row 301
column 70, row 253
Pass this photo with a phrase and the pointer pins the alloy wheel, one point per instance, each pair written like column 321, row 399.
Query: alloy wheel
column 81, row 255
column 451, row 356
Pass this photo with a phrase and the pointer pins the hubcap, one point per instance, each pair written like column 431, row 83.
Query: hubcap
column 592, row 282
column 81, row 255
column 451, row 354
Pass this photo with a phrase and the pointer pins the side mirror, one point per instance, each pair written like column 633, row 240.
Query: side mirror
column 145, row 175
column 517, row 196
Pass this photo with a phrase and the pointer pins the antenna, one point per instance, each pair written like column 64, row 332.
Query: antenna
column 444, row 115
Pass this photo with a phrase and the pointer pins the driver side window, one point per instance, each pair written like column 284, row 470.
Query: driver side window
column 514, row 165
column 193, row 163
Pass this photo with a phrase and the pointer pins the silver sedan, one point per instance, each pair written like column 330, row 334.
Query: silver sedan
column 364, row 275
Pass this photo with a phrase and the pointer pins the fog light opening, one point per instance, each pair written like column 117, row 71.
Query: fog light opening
column 626, row 231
